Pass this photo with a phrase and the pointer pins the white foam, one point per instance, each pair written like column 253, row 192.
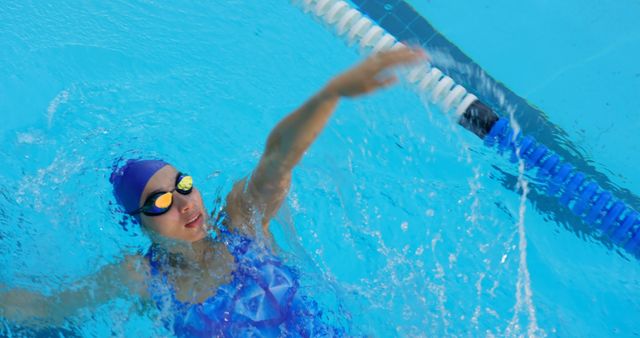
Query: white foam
column 524, row 294
column 35, row 137
column 61, row 98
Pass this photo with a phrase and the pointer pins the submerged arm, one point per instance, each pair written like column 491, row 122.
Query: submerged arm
column 269, row 183
column 112, row 281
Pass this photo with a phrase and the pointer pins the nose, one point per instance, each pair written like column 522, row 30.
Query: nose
column 183, row 202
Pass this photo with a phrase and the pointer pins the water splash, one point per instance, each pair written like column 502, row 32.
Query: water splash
column 61, row 98
column 524, row 294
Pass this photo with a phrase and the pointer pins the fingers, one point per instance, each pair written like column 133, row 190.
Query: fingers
column 386, row 82
column 401, row 56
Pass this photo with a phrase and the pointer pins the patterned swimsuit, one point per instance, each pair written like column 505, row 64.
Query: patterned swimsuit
column 262, row 300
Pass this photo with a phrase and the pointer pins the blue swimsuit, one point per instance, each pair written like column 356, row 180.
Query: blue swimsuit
column 262, row 300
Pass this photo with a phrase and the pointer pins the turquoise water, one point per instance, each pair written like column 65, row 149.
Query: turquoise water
column 400, row 220
column 575, row 60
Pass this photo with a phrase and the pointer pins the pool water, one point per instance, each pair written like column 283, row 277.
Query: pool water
column 401, row 222
column 575, row 60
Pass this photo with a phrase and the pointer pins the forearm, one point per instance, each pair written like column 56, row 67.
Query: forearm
column 112, row 281
column 36, row 309
column 24, row 306
column 268, row 185
column 286, row 144
column 294, row 134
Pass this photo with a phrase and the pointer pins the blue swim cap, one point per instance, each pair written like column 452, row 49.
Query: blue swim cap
column 129, row 181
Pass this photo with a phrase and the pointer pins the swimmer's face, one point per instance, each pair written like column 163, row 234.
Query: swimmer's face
column 186, row 218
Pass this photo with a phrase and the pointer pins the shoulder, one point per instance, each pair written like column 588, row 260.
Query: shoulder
column 246, row 213
column 135, row 266
column 133, row 271
column 239, row 209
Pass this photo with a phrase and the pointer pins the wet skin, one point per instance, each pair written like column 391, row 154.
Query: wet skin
column 202, row 264
column 185, row 220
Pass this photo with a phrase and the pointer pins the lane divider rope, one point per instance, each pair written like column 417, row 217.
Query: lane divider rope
column 585, row 198
column 357, row 29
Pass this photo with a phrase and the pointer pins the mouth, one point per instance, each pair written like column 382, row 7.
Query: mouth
column 194, row 222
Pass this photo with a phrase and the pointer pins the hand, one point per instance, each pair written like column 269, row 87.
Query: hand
column 370, row 75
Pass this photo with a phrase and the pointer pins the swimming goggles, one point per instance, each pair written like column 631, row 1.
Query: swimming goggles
column 160, row 202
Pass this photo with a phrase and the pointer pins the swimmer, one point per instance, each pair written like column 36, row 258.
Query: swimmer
column 214, row 276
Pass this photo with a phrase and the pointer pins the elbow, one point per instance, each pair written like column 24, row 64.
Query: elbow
column 274, row 143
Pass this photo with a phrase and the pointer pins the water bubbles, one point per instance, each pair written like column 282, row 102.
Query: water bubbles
column 484, row 247
column 452, row 260
column 404, row 226
column 30, row 138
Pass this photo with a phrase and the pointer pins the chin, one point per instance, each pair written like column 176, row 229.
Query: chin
column 194, row 237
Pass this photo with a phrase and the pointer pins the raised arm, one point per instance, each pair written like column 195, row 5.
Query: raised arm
column 256, row 199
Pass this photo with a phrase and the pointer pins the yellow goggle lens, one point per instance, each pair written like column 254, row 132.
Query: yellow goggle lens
column 185, row 183
column 164, row 201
